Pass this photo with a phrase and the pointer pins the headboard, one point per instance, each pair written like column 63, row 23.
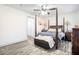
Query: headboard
column 54, row 26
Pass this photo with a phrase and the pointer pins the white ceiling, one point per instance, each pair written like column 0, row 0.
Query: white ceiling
column 62, row 8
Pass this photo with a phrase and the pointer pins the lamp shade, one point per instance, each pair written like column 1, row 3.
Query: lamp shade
column 67, row 23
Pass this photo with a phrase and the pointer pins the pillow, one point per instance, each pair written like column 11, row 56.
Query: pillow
column 59, row 30
column 44, row 30
column 52, row 30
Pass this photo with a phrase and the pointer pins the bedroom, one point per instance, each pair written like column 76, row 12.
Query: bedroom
column 18, row 28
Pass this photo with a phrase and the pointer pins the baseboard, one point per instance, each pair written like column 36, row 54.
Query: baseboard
column 12, row 43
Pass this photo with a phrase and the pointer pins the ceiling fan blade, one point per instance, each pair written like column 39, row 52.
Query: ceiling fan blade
column 52, row 8
column 37, row 10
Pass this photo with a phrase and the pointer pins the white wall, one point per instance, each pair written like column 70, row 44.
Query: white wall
column 13, row 25
column 72, row 19
column 77, row 14
column 41, row 22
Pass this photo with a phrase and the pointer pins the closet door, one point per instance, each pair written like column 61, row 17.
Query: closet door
column 31, row 27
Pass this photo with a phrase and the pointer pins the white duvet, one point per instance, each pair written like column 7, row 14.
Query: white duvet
column 48, row 39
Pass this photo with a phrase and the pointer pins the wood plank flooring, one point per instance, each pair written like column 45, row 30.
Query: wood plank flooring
column 28, row 48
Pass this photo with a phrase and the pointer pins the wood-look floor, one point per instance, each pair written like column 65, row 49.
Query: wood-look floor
column 28, row 48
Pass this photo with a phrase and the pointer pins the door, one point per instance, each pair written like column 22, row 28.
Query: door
column 31, row 27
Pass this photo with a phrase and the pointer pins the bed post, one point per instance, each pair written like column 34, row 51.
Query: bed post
column 56, row 28
column 63, row 24
column 35, row 25
column 48, row 23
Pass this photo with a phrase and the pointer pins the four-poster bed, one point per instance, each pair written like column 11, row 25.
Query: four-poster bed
column 42, row 40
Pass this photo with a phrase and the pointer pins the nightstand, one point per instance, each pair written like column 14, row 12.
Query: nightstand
column 68, row 34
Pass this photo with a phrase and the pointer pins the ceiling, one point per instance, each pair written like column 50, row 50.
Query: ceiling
column 62, row 8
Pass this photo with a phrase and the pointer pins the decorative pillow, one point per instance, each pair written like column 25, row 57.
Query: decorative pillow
column 59, row 30
column 52, row 30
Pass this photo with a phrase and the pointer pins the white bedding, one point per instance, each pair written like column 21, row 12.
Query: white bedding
column 48, row 39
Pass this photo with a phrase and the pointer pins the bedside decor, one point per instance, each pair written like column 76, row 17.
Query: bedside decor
column 67, row 23
column 40, row 23
column 76, row 26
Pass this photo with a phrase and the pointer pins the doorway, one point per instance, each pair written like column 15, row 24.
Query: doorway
column 31, row 27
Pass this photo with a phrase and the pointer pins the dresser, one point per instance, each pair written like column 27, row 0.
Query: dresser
column 75, row 41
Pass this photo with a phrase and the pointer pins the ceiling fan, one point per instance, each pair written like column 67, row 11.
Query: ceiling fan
column 44, row 10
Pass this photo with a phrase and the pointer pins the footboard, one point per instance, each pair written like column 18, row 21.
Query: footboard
column 42, row 43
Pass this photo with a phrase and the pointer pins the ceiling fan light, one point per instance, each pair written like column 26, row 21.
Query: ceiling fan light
column 43, row 12
column 44, row 6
